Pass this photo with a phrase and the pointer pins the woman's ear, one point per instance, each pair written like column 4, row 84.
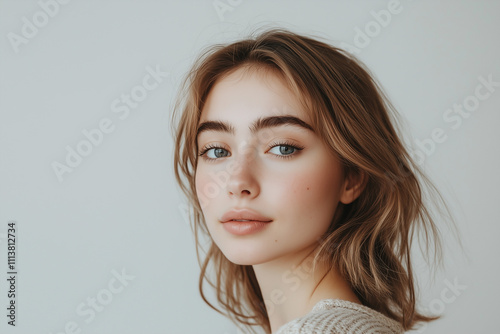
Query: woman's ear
column 353, row 186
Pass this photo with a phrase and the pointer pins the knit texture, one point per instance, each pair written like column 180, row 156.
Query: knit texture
column 336, row 316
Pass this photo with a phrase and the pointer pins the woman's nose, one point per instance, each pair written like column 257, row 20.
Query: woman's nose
column 243, row 177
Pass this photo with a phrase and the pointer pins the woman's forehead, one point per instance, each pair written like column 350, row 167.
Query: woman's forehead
column 247, row 94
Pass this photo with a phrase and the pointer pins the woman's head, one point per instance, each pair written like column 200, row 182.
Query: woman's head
column 349, row 174
column 257, row 151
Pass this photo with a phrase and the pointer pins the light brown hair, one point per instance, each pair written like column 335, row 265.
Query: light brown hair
column 369, row 241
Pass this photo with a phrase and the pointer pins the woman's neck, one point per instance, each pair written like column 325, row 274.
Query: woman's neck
column 290, row 288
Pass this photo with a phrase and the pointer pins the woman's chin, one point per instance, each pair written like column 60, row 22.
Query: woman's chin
column 246, row 258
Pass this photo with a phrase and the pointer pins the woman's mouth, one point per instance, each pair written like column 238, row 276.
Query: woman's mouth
column 244, row 221
column 244, row 227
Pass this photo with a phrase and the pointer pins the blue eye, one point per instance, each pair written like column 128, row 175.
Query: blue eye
column 283, row 149
column 218, row 152
column 213, row 152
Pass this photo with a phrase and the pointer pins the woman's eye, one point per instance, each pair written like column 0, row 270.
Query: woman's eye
column 216, row 152
column 283, row 150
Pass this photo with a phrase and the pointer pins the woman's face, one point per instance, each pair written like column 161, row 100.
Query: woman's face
column 259, row 153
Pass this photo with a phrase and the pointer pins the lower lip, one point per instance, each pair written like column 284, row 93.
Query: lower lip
column 244, row 228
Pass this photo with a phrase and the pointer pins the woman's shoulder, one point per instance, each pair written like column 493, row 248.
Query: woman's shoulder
column 336, row 316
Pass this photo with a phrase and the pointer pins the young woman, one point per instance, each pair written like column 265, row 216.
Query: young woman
column 288, row 152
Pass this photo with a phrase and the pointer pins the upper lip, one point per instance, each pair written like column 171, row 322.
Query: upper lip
column 244, row 214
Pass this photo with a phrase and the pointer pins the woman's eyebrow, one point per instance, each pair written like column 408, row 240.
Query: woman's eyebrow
column 259, row 124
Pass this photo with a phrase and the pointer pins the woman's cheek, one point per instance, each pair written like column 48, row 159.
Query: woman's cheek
column 292, row 190
column 312, row 191
column 204, row 189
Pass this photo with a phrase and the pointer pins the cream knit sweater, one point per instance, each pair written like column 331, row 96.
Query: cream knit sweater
column 336, row 316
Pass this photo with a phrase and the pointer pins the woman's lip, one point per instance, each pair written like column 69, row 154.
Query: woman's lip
column 246, row 221
column 244, row 214
column 244, row 228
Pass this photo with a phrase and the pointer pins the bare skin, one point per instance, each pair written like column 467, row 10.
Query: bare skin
column 285, row 173
column 290, row 294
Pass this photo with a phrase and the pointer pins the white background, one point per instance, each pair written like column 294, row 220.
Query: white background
column 120, row 208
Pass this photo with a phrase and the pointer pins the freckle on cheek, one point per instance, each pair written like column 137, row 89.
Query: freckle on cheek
column 307, row 188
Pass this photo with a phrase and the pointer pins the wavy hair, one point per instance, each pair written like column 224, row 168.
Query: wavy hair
column 369, row 240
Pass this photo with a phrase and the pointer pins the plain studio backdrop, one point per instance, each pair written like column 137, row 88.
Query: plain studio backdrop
column 102, row 240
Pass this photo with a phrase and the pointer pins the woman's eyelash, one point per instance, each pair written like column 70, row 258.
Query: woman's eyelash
column 207, row 148
column 289, row 144
column 296, row 147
